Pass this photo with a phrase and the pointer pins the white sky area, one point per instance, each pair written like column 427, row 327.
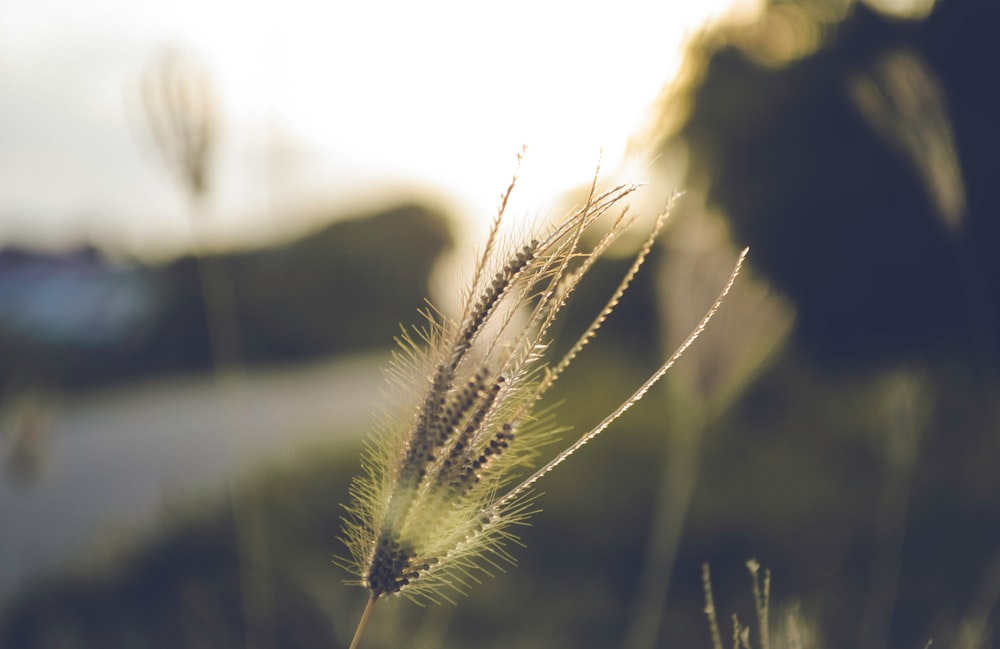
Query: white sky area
column 325, row 104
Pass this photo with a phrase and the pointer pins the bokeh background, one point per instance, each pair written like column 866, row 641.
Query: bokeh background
column 215, row 216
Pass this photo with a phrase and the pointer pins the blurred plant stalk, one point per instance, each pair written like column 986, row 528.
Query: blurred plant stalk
column 183, row 120
column 713, row 375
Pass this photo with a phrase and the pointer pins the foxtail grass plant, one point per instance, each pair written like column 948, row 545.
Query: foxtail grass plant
column 447, row 476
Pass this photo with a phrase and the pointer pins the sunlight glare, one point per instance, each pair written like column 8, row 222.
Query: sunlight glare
column 441, row 93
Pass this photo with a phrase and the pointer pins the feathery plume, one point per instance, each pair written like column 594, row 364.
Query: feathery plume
column 444, row 480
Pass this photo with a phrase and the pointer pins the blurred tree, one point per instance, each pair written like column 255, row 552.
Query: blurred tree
column 859, row 164
column 855, row 153
column 79, row 320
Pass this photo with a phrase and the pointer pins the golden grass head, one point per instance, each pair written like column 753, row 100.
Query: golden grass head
column 446, row 477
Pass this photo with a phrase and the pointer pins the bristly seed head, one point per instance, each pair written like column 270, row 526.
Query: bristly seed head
column 446, row 480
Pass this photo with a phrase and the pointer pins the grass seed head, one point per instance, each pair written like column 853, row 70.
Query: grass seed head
column 444, row 482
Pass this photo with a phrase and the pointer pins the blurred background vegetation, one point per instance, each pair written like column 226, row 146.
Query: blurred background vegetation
column 178, row 432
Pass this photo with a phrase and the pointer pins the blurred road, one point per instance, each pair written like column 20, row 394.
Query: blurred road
column 112, row 458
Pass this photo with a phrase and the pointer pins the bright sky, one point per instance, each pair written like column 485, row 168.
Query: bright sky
column 323, row 100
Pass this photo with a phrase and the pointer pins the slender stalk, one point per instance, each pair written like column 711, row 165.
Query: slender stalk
column 363, row 622
column 251, row 542
column 713, row 620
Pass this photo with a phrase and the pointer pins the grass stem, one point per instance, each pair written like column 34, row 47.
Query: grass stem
column 363, row 622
